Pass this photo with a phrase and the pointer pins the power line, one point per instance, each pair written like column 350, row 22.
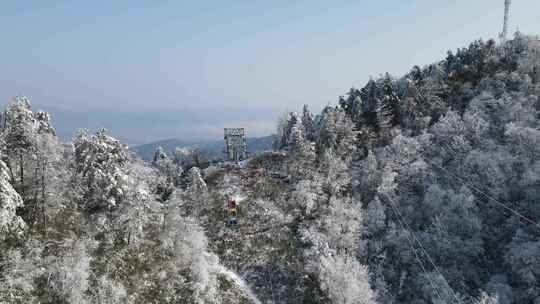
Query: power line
column 473, row 187
column 417, row 257
column 423, row 249
column 269, row 279
column 447, row 148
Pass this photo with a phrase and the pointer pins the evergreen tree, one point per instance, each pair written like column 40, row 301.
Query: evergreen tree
column 308, row 124
column 390, row 103
column 20, row 138
column 160, row 156
column 370, row 95
column 99, row 162
column 352, row 105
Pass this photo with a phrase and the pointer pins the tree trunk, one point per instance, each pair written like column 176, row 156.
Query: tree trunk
column 12, row 176
column 43, row 197
column 21, row 171
column 36, row 181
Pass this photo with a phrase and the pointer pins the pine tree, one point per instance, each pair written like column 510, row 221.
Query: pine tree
column 32, row 155
column 99, row 162
column 352, row 105
column 160, row 156
column 336, row 131
column 302, row 152
column 284, row 129
column 370, row 101
column 308, row 124
column 390, row 103
column 20, row 139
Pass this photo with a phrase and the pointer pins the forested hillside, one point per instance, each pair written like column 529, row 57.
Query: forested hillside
column 418, row 189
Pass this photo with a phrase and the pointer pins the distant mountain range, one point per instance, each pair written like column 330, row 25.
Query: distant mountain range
column 212, row 149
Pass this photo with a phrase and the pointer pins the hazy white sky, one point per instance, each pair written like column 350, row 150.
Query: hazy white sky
column 159, row 69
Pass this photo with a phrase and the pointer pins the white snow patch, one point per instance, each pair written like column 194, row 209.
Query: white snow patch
column 238, row 197
column 240, row 283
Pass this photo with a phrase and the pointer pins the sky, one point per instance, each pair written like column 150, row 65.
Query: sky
column 150, row 70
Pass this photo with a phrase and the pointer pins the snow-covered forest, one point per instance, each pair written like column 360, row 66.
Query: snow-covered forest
column 423, row 188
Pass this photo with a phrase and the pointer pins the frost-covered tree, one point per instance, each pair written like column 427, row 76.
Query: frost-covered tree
column 68, row 272
column 197, row 185
column 335, row 131
column 10, row 200
column 370, row 96
column 352, row 105
column 308, row 123
column 302, row 150
column 365, row 176
column 160, row 156
column 171, row 170
column 186, row 245
column 21, row 269
column 285, row 125
column 524, row 259
column 32, row 154
column 330, row 223
column 186, row 157
column 19, row 136
column 525, row 141
column 345, row 280
column 487, row 299
column 390, row 103
column 140, row 207
column 99, row 162
column 40, row 171
column 196, row 192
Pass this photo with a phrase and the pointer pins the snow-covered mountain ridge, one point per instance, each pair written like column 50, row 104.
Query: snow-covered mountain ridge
column 416, row 189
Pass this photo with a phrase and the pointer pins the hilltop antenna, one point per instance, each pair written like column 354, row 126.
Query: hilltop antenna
column 504, row 32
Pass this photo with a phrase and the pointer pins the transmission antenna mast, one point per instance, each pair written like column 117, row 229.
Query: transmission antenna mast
column 506, row 16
